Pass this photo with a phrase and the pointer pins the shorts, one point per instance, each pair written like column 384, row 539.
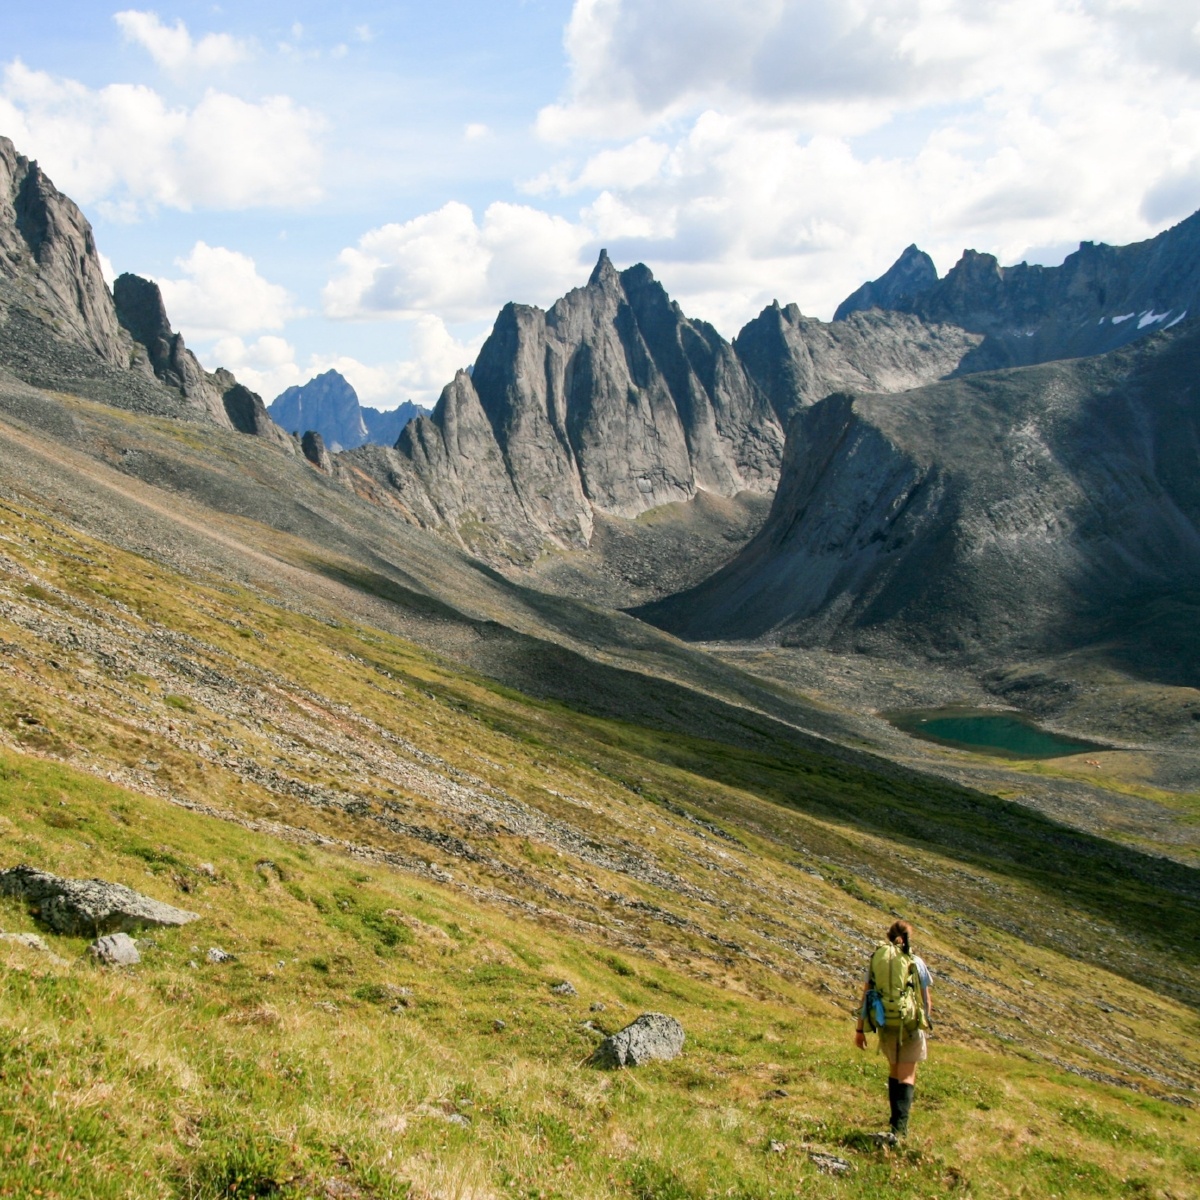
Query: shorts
column 914, row 1049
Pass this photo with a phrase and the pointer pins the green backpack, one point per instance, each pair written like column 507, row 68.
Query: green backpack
column 894, row 977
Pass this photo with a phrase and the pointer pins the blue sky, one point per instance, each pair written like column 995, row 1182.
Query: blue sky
column 363, row 185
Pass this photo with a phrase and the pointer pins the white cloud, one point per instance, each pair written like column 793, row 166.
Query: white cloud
column 445, row 262
column 475, row 131
column 172, row 46
column 793, row 147
column 222, row 294
column 270, row 364
column 124, row 145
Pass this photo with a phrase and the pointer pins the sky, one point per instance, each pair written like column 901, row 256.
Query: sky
column 362, row 186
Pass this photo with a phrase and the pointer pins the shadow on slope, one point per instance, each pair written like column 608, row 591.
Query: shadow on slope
column 708, row 737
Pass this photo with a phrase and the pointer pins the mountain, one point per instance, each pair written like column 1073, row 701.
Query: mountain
column 328, row 405
column 613, row 403
column 1006, row 514
column 910, row 275
column 61, row 327
column 1101, row 297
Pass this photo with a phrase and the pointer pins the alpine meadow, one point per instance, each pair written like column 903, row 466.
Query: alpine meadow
column 499, row 791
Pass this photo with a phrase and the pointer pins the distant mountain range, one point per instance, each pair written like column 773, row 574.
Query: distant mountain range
column 871, row 482
column 328, row 405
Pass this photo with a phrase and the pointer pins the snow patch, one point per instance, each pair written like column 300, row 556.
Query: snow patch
column 1124, row 317
column 1177, row 319
column 1149, row 317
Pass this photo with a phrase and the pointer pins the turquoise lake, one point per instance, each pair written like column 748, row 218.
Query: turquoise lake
column 989, row 732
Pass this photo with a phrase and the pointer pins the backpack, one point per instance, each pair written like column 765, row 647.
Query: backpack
column 894, row 980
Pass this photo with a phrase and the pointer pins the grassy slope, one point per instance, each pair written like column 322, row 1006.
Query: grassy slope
column 516, row 843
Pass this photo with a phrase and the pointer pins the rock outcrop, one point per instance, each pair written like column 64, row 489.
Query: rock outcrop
column 49, row 260
column 651, row 1036
column 115, row 950
column 1100, row 298
column 312, row 445
column 1001, row 514
column 328, row 404
column 88, row 906
column 141, row 312
column 61, row 327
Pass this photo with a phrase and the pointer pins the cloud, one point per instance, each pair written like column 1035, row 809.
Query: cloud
column 475, row 131
column 172, row 46
column 222, row 294
column 270, row 364
column 444, row 262
column 792, row 149
column 841, row 66
column 123, row 145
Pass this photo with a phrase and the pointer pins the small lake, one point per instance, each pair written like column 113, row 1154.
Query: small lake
column 986, row 731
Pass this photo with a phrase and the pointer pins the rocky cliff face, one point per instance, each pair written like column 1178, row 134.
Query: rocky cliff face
column 1100, row 298
column 613, row 401
column 328, row 404
column 1032, row 510
column 796, row 360
column 61, row 328
column 49, row 261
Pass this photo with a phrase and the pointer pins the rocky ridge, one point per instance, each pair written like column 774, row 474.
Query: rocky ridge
column 1100, row 298
column 614, row 402
column 61, row 327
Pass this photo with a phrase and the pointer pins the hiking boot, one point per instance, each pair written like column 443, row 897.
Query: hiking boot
column 904, row 1099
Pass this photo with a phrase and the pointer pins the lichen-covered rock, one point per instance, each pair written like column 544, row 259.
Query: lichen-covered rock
column 651, row 1036
column 115, row 950
column 88, row 906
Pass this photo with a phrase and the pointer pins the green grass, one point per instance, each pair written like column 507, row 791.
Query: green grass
column 303, row 791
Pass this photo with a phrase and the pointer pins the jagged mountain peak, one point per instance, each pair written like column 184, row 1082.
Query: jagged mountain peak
column 48, row 255
column 1099, row 298
column 910, row 275
column 603, row 273
column 328, row 405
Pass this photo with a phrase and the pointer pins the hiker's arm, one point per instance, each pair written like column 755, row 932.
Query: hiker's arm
column 860, row 1038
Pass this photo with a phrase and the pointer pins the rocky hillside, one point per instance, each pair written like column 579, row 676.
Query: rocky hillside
column 1100, row 298
column 61, row 327
column 1030, row 510
column 327, row 404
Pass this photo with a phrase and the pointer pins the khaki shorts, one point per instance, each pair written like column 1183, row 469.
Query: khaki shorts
column 913, row 1050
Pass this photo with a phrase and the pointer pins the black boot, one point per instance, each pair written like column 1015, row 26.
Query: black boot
column 893, row 1102
column 904, row 1099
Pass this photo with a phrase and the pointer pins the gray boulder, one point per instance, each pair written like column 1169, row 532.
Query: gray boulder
column 88, row 906
column 652, row 1035
column 30, row 941
column 115, row 950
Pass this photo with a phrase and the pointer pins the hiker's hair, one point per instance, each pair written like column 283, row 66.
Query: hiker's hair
column 900, row 931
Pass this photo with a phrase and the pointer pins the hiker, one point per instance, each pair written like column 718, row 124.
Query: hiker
column 890, row 1006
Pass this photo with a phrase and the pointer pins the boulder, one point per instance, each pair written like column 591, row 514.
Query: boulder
column 652, row 1035
column 30, row 941
column 88, row 906
column 115, row 950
